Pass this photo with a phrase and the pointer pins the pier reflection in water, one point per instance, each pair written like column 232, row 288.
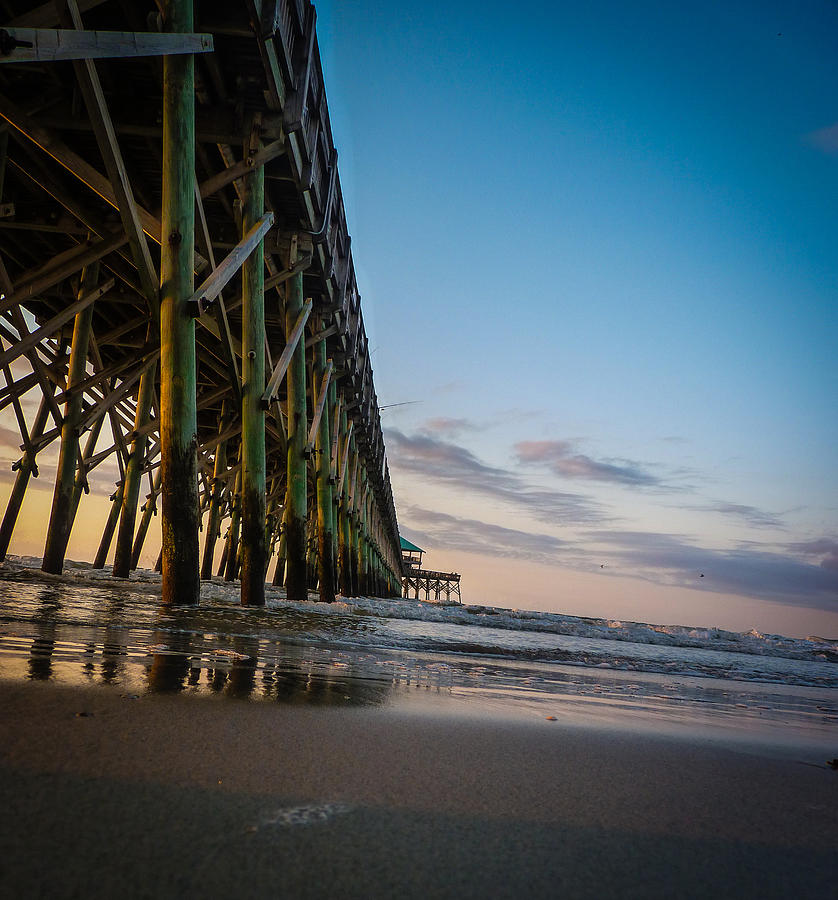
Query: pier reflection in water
column 102, row 641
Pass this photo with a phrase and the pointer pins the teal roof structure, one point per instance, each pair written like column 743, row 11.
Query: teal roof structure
column 406, row 545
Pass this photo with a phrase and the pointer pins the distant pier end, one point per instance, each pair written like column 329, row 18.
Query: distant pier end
column 417, row 580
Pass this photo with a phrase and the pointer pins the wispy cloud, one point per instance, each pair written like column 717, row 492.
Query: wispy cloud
column 748, row 571
column 824, row 139
column 824, row 549
column 472, row 536
column 446, row 427
column 563, row 459
column 449, row 463
column 750, row 515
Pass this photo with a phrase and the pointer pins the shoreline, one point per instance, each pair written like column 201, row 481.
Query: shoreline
column 170, row 795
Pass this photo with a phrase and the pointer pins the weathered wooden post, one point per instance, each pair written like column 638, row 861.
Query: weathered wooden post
column 353, row 520
column 178, row 413
column 25, row 468
column 149, row 509
column 61, row 516
column 214, row 518
column 110, row 527
column 323, row 451
column 232, row 549
column 344, row 568
column 253, row 385
column 295, row 499
column 133, row 476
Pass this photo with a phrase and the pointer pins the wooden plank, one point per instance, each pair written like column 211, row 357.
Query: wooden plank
column 333, row 469
column 218, row 279
column 214, row 184
column 100, row 118
column 283, row 276
column 284, row 360
column 51, row 44
column 225, row 336
column 350, row 426
column 318, row 409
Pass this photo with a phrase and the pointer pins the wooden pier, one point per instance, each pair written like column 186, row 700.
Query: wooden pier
column 177, row 283
column 417, row 581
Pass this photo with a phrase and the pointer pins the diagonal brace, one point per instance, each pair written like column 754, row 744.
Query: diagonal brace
column 218, row 278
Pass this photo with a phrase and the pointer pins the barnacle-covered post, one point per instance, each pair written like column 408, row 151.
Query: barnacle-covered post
column 178, row 413
column 296, row 587
column 323, row 447
column 253, row 501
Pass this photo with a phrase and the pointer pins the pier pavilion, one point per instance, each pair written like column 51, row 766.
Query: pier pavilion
column 417, row 580
column 177, row 286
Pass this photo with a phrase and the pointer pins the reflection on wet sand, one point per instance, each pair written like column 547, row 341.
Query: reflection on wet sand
column 101, row 638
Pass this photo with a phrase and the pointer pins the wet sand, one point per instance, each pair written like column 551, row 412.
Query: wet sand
column 164, row 796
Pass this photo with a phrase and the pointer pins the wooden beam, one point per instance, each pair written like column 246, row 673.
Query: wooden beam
column 224, row 335
column 284, row 360
column 283, row 276
column 50, row 327
column 19, row 45
column 100, row 118
column 319, row 407
column 242, row 168
column 87, row 254
column 218, row 279
column 53, row 146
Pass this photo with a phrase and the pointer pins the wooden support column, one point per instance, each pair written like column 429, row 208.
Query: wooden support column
column 295, row 498
column 110, row 527
column 232, row 555
column 353, row 519
column 149, row 509
column 214, row 517
column 334, row 434
column 178, row 413
column 344, row 537
column 81, row 476
column 61, row 516
column 281, row 555
column 133, row 476
column 363, row 538
column 253, row 385
column 323, row 451
column 25, row 468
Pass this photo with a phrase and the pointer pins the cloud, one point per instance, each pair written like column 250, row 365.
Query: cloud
column 748, row 570
column 451, row 464
column 563, row 460
column 472, row 536
column 824, row 139
column 447, row 427
column 824, row 547
column 751, row 515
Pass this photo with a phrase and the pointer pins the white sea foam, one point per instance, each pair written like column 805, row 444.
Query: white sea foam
column 752, row 642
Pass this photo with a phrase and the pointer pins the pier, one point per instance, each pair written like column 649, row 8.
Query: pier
column 417, row 581
column 178, row 286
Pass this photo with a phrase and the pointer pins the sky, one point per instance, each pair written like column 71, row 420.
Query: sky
column 595, row 245
column 596, row 250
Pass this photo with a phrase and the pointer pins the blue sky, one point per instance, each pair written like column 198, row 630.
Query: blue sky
column 597, row 242
column 596, row 245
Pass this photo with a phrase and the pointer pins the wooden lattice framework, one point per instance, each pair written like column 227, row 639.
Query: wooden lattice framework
column 177, row 277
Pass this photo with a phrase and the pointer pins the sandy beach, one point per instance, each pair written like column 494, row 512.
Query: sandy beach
column 105, row 795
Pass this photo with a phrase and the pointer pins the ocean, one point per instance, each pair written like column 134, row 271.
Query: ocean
column 87, row 628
